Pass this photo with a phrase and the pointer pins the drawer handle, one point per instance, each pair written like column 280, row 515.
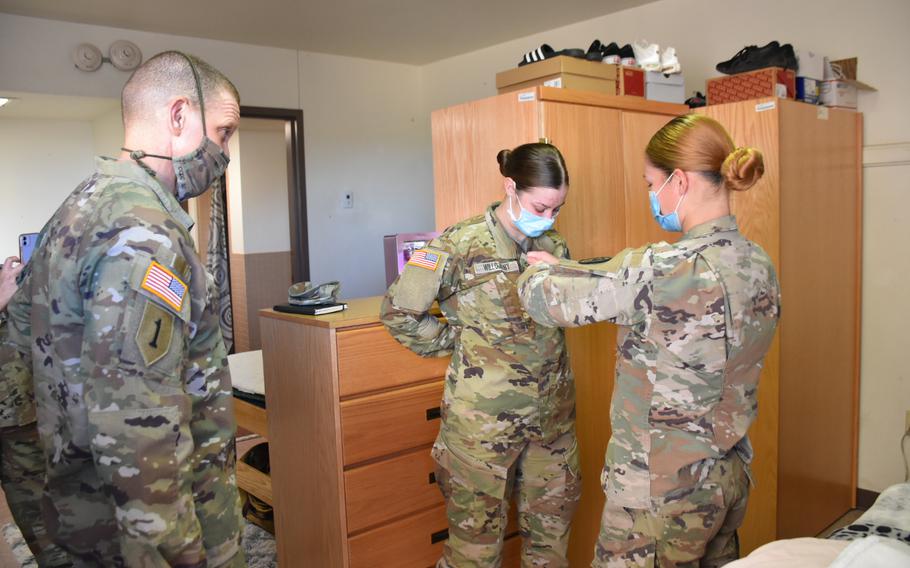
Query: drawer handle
column 439, row 536
column 432, row 478
column 433, row 413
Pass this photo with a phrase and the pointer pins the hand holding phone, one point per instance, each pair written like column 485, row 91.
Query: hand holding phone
column 11, row 269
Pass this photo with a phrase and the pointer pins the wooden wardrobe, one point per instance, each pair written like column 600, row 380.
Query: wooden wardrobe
column 805, row 436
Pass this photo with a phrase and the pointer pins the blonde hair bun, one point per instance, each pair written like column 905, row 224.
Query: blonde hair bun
column 742, row 168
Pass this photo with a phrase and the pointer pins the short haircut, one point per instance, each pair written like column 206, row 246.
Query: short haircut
column 168, row 75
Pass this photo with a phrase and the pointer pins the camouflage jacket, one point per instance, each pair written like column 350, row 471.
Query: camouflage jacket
column 17, row 397
column 697, row 318
column 131, row 379
column 509, row 379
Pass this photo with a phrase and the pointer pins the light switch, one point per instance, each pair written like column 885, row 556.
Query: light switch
column 347, row 200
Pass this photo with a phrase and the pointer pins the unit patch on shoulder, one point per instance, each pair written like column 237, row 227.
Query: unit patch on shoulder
column 164, row 284
column 153, row 338
column 424, row 258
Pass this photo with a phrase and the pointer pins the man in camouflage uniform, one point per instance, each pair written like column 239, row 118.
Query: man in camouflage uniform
column 115, row 319
column 508, row 410
column 21, row 458
column 697, row 318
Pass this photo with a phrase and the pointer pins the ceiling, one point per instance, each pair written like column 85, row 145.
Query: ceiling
column 405, row 31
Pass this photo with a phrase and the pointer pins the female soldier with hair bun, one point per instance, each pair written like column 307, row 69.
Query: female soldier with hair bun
column 508, row 410
column 697, row 318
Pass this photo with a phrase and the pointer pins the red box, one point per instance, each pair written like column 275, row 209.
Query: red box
column 768, row 82
column 630, row 81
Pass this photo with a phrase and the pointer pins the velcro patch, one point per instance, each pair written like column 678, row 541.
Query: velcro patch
column 424, row 258
column 153, row 338
column 486, row 267
column 165, row 285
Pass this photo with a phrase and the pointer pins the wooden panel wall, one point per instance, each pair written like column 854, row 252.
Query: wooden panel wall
column 466, row 140
column 257, row 281
column 820, row 227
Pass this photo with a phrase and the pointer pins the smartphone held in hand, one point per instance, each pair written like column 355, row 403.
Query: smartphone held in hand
column 27, row 243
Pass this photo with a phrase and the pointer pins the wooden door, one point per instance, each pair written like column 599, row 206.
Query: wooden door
column 641, row 228
column 593, row 222
column 758, row 214
column 466, row 140
column 821, row 204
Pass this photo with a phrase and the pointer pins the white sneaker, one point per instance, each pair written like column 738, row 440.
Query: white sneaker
column 669, row 63
column 647, row 55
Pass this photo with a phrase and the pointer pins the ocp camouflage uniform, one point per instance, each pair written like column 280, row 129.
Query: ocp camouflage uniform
column 508, row 410
column 131, row 381
column 697, row 318
column 21, row 458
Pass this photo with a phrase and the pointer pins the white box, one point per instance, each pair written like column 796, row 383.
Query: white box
column 837, row 93
column 811, row 65
column 665, row 88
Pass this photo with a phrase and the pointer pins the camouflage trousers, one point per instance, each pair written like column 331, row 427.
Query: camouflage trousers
column 544, row 481
column 22, row 478
column 694, row 529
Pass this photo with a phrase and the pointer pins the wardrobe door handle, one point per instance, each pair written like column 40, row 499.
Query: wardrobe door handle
column 439, row 536
column 432, row 478
column 433, row 413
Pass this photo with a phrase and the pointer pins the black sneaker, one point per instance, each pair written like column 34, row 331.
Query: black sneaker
column 611, row 53
column 595, row 52
column 696, row 100
column 627, row 56
column 749, row 58
column 786, row 58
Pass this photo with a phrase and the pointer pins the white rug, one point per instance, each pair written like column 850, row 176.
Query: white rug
column 258, row 545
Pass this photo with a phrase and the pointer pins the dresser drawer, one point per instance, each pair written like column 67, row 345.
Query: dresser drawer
column 417, row 542
column 413, row 542
column 371, row 360
column 393, row 488
column 381, row 424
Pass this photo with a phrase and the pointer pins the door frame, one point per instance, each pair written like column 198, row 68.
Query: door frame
column 293, row 135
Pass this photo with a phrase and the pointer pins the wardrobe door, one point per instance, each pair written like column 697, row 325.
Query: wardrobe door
column 593, row 223
column 466, row 140
column 757, row 211
column 637, row 130
column 821, row 228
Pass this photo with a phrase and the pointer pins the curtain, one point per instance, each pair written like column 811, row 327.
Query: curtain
column 217, row 261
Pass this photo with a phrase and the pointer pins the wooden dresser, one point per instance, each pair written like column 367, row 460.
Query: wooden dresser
column 352, row 416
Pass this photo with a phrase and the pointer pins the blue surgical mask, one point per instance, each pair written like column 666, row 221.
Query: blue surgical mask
column 528, row 223
column 669, row 222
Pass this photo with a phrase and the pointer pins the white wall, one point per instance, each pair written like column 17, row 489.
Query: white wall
column 363, row 128
column 262, row 164
column 41, row 162
column 707, row 31
column 107, row 133
column 369, row 137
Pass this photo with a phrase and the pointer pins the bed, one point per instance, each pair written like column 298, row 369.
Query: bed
column 880, row 538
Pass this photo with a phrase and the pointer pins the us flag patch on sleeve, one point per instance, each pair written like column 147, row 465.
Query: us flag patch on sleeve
column 424, row 259
column 164, row 284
